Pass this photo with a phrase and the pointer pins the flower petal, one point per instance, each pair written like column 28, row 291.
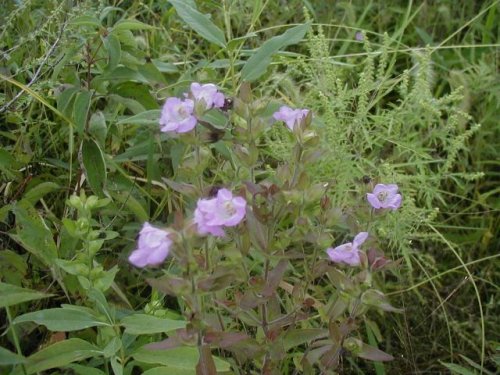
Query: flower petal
column 373, row 200
column 359, row 239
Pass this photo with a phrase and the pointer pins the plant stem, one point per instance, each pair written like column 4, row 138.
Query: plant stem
column 16, row 339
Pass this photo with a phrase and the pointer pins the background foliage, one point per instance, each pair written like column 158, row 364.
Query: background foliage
column 414, row 99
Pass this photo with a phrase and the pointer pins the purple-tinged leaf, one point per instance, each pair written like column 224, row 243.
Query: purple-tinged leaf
column 365, row 351
column 274, row 278
column 224, row 340
column 170, row 285
column 206, row 364
column 258, row 232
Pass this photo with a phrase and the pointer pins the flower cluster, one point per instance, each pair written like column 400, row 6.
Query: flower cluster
column 210, row 217
column 382, row 196
column 178, row 116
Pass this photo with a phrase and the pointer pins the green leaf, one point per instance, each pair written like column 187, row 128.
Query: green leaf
column 165, row 67
column 12, row 295
column 85, row 370
column 457, row 369
column 215, row 118
column 34, row 235
column 7, row 358
column 142, row 324
column 132, row 204
column 93, row 165
column 297, row 337
column 260, row 60
column 152, row 74
column 131, row 25
column 116, row 366
column 37, row 192
column 65, row 98
column 61, row 319
column 199, row 22
column 112, row 347
column 136, row 91
column 13, row 267
column 113, row 46
column 151, row 117
column 179, row 359
column 81, row 110
column 98, row 128
column 61, row 354
column 119, row 74
column 85, row 20
column 7, row 164
column 169, row 370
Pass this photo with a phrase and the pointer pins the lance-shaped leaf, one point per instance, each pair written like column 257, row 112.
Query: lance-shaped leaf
column 93, row 164
column 7, row 358
column 61, row 319
column 260, row 60
column 376, row 298
column 173, row 286
column 141, row 324
column 258, row 232
column 34, row 235
column 61, row 354
column 206, row 364
column 224, row 340
column 221, row 278
column 199, row 22
column 362, row 350
column 274, row 278
column 13, row 295
column 179, row 359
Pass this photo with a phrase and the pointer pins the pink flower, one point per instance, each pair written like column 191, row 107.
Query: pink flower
column 177, row 116
column 290, row 116
column 212, row 215
column 209, row 94
column 385, row 196
column 348, row 253
column 152, row 248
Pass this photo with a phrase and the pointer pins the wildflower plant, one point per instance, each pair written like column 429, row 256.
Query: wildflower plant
column 202, row 218
column 234, row 250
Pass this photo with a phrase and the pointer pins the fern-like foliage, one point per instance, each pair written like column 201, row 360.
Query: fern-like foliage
column 387, row 125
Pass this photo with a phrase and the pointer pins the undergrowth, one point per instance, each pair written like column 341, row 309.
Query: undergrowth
column 406, row 95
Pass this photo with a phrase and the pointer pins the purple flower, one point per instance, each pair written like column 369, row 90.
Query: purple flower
column 152, row 248
column 177, row 116
column 359, row 36
column 348, row 253
column 385, row 196
column 211, row 215
column 209, row 94
column 290, row 116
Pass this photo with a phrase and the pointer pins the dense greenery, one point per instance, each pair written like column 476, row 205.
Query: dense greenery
column 400, row 92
